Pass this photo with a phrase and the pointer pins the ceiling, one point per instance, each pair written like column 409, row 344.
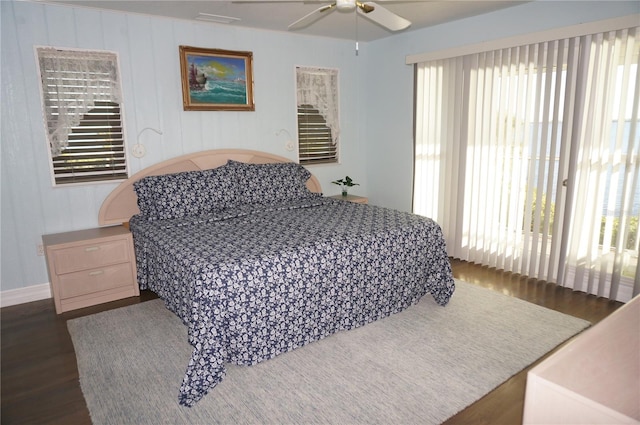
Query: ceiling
column 278, row 14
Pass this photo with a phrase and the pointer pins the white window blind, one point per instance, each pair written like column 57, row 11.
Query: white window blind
column 318, row 115
column 315, row 144
column 81, row 100
column 528, row 158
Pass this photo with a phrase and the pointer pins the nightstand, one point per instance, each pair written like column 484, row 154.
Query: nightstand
column 352, row 198
column 89, row 267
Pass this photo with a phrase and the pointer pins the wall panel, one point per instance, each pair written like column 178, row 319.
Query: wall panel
column 149, row 62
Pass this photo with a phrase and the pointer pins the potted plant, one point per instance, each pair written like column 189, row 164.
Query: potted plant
column 345, row 184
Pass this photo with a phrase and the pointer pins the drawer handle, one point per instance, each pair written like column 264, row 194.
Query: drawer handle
column 96, row 273
column 91, row 248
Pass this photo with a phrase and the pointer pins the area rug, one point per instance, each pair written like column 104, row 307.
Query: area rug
column 422, row 365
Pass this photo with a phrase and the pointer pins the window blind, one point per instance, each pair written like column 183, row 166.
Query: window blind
column 96, row 149
column 315, row 144
column 528, row 159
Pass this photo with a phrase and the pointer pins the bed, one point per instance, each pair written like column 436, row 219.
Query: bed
column 245, row 249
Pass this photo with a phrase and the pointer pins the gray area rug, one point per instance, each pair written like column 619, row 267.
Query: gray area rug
column 422, row 365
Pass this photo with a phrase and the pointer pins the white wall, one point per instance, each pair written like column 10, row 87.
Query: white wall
column 376, row 104
column 150, row 70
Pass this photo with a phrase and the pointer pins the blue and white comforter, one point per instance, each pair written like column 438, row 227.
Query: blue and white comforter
column 256, row 281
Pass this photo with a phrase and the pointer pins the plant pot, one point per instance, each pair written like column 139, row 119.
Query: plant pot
column 344, row 192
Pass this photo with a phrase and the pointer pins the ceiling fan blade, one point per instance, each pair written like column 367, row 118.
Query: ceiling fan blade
column 271, row 1
column 307, row 20
column 382, row 16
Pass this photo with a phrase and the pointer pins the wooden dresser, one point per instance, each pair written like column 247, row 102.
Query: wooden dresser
column 88, row 267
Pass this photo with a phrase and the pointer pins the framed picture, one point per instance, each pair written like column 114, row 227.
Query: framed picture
column 216, row 80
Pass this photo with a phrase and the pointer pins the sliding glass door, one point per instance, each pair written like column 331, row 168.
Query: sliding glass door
column 528, row 158
column 602, row 246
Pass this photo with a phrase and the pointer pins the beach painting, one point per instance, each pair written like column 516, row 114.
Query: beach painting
column 216, row 79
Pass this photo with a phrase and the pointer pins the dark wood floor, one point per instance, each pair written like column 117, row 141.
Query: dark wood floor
column 40, row 376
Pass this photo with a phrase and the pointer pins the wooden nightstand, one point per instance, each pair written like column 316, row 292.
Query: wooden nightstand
column 352, row 198
column 88, row 267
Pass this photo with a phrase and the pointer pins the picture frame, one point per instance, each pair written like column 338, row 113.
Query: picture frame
column 216, row 79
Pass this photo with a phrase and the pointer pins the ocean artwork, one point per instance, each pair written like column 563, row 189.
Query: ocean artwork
column 221, row 91
column 216, row 79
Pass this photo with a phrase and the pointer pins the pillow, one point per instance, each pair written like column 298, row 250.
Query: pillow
column 268, row 183
column 185, row 194
column 224, row 190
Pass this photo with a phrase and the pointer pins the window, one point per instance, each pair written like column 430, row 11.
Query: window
column 528, row 158
column 81, row 101
column 318, row 117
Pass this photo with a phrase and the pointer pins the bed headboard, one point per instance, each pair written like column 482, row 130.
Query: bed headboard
column 122, row 202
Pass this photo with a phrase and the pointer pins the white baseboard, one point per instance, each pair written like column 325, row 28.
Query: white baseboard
column 25, row 295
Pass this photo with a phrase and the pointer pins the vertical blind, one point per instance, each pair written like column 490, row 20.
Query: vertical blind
column 528, row 158
column 81, row 100
column 602, row 248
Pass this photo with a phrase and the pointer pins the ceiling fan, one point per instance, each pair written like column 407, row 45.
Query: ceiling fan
column 370, row 10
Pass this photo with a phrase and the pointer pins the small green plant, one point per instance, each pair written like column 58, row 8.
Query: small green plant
column 345, row 183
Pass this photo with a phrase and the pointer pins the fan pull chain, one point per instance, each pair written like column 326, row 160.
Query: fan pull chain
column 356, row 18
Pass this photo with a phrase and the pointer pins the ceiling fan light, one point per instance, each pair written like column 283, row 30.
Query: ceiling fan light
column 345, row 5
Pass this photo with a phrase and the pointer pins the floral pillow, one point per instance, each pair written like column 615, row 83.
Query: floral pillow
column 269, row 183
column 185, row 194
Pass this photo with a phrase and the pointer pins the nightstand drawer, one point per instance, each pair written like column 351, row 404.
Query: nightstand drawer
column 96, row 280
column 90, row 255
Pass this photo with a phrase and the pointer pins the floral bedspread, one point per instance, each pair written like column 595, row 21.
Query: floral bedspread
column 256, row 281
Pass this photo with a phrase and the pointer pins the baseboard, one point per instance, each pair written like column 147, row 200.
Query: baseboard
column 25, row 295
